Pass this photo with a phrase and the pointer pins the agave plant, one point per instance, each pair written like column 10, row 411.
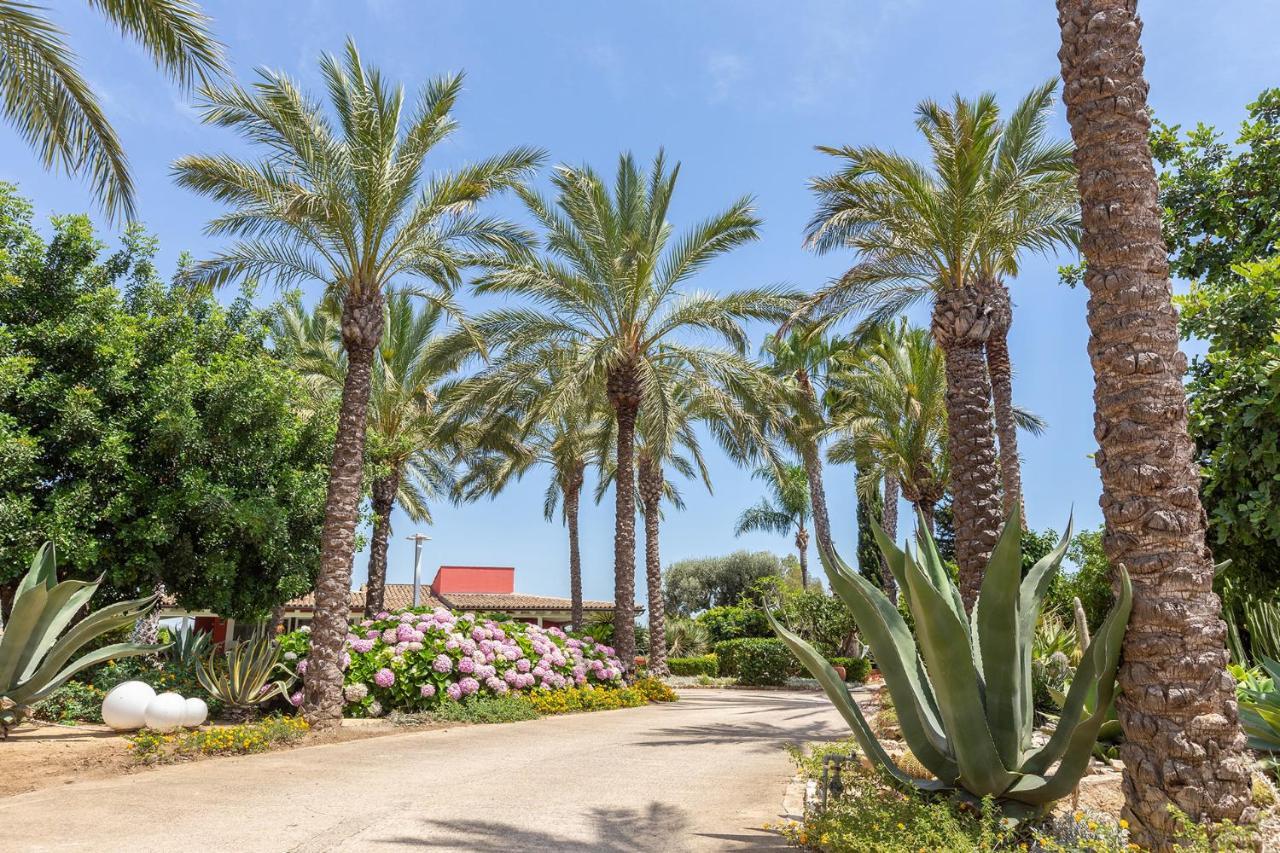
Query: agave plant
column 1260, row 708
column 962, row 684
column 241, row 676
column 188, row 647
column 35, row 654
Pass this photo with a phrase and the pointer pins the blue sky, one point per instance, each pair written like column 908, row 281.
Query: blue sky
column 739, row 92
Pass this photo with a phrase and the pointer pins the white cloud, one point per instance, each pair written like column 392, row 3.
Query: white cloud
column 726, row 71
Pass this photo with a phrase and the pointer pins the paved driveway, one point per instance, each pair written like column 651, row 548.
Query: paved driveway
column 700, row 774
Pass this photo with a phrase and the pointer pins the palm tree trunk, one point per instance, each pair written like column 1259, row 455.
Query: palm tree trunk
column 1183, row 746
column 651, row 494
column 572, row 494
column 624, row 395
column 802, row 547
column 361, row 332
column 384, row 500
column 1000, row 369
column 925, row 508
column 818, row 499
column 889, row 517
column 961, row 326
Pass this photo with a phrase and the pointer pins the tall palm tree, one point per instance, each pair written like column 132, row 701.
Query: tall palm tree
column 676, row 401
column 347, row 204
column 1034, row 179
column 613, row 284
column 508, row 443
column 410, row 461
column 935, row 233
column 802, row 360
column 888, row 409
column 55, row 110
column 788, row 512
column 1183, row 746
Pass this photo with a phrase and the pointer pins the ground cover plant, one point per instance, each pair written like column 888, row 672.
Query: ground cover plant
column 417, row 660
column 152, row 747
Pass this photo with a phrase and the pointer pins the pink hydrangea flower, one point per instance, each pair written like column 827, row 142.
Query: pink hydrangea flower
column 468, row 686
column 296, row 699
column 384, row 677
column 427, row 691
column 381, row 614
column 362, row 646
column 454, row 691
column 442, row 663
column 466, row 665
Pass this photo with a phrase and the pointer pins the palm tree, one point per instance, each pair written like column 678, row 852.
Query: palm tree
column 55, row 110
column 1034, row 177
column 509, row 443
column 801, row 360
column 347, row 205
column 788, row 512
column 612, row 285
column 888, row 407
column 1183, row 746
column 677, row 400
column 410, row 461
column 937, row 232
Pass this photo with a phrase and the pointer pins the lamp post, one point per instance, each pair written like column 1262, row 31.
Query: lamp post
column 417, row 539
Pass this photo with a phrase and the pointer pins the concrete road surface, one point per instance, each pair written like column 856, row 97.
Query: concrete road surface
column 701, row 774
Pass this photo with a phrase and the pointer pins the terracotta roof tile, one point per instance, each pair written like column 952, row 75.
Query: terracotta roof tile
column 519, row 601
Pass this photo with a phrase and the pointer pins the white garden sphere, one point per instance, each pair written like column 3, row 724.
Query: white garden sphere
column 196, row 713
column 125, row 705
column 165, row 712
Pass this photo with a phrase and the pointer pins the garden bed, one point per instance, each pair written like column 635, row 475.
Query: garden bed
column 45, row 756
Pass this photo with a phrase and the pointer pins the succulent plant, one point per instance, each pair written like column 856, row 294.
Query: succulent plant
column 188, row 647
column 35, row 655
column 240, row 675
column 962, row 684
column 1260, row 707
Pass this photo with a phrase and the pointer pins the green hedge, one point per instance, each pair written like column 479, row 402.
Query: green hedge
column 701, row 665
column 855, row 669
column 755, row 660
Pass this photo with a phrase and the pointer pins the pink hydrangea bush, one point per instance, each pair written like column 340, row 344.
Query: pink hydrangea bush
column 413, row 660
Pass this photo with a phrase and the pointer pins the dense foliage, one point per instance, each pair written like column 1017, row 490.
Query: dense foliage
column 708, row 665
column 693, row 585
column 146, row 430
column 756, row 661
column 733, row 623
column 1220, row 222
column 415, row 660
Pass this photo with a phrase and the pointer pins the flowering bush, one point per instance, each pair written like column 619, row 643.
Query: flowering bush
column 151, row 747
column 415, row 660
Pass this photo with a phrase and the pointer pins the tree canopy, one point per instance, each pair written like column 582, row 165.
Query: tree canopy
column 696, row 584
column 149, row 432
column 1220, row 220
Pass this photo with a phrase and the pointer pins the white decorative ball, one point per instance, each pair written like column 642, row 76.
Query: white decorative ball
column 196, row 713
column 125, row 705
column 165, row 712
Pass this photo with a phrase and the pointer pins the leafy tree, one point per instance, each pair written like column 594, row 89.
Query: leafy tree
column 54, row 108
column 871, row 563
column 693, row 585
column 150, row 433
column 614, row 284
column 341, row 199
column 1220, row 221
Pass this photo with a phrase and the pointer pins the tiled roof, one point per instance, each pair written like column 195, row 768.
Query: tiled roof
column 517, row 601
column 308, row 601
column 398, row 596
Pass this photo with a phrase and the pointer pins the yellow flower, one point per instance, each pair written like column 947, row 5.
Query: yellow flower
column 1124, row 824
column 902, row 825
column 1079, row 816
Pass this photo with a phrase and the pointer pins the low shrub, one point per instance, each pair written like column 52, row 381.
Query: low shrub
column 586, row 699
column 73, row 702
column 654, row 690
column 701, row 665
column 755, row 661
column 152, row 747
column 487, row 709
column 856, row 670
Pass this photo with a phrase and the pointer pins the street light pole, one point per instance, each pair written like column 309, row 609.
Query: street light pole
column 417, row 539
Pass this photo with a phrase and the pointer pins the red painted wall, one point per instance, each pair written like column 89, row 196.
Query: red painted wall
column 493, row 579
